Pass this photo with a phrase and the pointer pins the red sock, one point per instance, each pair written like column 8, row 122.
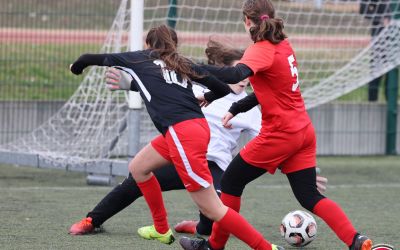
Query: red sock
column 219, row 237
column 152, row 194
column 237, row 225
column 336, row 219
column 231, row 201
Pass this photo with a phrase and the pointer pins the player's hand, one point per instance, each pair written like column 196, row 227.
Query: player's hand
column 117, row 79
column 113, row 77
column 225, row 120
column 202, row 101
column 321, row 183
column 75, row 69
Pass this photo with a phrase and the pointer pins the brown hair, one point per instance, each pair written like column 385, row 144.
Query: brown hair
column 219, row 54
column 163, row 41
column 267, row 27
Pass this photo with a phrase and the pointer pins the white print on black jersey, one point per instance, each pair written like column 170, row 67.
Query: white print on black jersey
column 168, row 97
column 170, row 75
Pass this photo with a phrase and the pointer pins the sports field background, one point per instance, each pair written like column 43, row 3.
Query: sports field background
column 37, row 206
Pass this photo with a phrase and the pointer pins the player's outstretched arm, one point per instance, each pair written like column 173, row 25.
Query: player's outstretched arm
column 218, row 88
column 244, row 104
column 86, row 60
column 112, row 59
column 229, row 74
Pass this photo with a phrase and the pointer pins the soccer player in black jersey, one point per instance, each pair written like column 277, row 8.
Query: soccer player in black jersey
column 220, row 148
column 219, row 154
column 163, row 77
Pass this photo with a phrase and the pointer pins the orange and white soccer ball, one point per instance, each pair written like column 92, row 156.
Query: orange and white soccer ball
column 298, row 228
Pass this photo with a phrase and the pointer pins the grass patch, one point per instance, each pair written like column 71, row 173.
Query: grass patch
column 39, row 72
column 37, row 207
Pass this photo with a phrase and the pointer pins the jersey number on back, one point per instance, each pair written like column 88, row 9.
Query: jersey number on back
column 170, row 75
column 294, row 71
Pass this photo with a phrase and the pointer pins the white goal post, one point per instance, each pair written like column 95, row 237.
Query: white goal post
column 332, row 39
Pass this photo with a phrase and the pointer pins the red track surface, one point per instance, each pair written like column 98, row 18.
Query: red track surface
column 41, row 36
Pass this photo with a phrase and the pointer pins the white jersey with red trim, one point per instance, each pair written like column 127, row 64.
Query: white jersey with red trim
column 223, row 141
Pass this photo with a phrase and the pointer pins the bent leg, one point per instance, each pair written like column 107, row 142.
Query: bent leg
column 238, row 174
column 128, row 191
column 115, row 201
column 205, row 224
column 228, row 220
column 304, row 187
column 141, row 167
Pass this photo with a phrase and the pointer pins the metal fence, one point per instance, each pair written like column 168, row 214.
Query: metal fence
column 40, row 38
column 38, row 41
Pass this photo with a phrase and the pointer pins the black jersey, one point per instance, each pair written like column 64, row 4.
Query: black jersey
column 168, row 97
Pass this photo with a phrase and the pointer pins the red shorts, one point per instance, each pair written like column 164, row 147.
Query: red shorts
column 289, row 151
column 185, row 145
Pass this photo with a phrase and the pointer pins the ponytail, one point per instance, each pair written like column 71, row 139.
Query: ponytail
column 163, row 41
column 266, row 25
column 270, row 29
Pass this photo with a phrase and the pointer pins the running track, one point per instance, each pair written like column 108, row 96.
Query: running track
column 43, row 36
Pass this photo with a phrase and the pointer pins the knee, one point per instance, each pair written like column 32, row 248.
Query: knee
column 213, row 213
column 131, row 168
column 308, row 199
column 208, row 213
column 138, row 174
column 230, row 187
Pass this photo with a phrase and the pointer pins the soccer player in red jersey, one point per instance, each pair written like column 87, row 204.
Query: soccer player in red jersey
column 219, row 154
column 287, row 138
column 163, row 77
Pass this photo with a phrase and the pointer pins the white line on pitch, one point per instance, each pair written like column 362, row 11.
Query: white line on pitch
column 329, row 186
column 55, row 188
column 372, row 185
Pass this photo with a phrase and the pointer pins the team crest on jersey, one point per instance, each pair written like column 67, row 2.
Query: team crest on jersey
column 382, row 247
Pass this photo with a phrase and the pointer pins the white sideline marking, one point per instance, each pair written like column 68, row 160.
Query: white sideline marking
column 55, row 188
column 376, row 185
column 329, row 186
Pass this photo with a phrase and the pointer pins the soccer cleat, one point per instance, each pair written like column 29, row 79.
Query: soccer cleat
column 276, row 247
column 361, row 242
column 84, row 226
column 202, row 244
column 186, row 226
column 195, row 244
column 150, row 233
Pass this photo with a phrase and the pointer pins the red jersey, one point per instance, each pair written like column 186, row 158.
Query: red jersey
column 276, row 86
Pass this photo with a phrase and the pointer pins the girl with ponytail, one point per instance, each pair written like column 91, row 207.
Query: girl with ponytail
column 163, row 78
column 265, row 26
column 287, row 140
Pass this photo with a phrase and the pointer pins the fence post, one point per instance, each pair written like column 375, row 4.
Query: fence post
column 134, row 100
column 392, row 90
column 172, row 13
column 391, row 114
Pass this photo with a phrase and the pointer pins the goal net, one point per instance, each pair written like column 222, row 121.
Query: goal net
column 335, row 51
